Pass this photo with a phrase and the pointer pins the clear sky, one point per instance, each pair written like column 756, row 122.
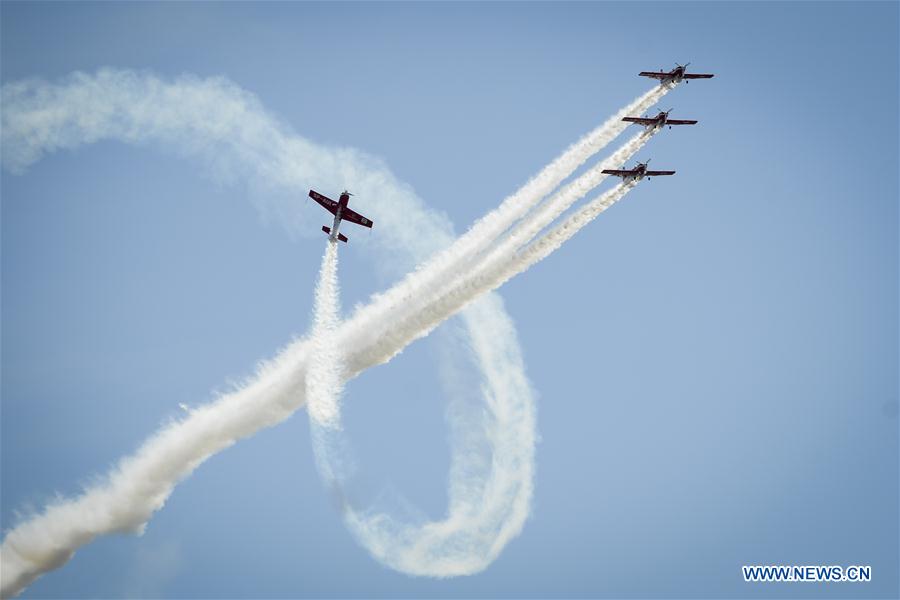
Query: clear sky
column 716, row 357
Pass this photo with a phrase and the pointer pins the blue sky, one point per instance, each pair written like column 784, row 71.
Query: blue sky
column 716, row 357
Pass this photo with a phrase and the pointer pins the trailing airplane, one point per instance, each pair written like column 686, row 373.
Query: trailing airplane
column 637, row 173
column 659, row 121
column 675, row 75
column 341, row 213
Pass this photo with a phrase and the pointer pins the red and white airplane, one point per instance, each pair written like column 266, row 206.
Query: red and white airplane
column 659, row 121
column 341, row 213
column 637, row 173
column 675, row 75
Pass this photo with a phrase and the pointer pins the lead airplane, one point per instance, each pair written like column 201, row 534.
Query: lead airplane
column 659, row 121
column 341, row 213
column 676, row 75
column 637, row 173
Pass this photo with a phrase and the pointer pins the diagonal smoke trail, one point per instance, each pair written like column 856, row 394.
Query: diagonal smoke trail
column 483, row 232
column 502, row 253
column 482, row 278
column 230, row 131
column 551, row 241
column 490, row 276
column 548, row 211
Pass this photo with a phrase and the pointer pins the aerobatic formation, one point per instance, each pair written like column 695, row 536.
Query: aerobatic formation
column 492, row 445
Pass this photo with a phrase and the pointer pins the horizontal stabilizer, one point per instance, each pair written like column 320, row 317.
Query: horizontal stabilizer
column 341, row 236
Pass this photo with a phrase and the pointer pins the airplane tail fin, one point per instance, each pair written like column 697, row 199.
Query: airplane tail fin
column 341, row 236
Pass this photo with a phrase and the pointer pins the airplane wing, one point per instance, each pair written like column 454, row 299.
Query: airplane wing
column 327, row 203
column 680, row 122
column 618, row 172
column 697, row 76
column 653, row 74
column 355, row 217
column 658, row 173
column 641, row 120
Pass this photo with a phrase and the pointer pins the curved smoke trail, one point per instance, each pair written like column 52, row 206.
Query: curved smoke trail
column 491, row 458
column 229, row 130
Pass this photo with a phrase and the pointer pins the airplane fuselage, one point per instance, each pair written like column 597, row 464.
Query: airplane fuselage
column 335, row 225
column 676, row 75
column 342, row 203
column 638, row 173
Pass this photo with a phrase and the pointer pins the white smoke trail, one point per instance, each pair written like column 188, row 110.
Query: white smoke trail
column 229, row 130
column 223, row 125
column 482, row 278
column 502, row 253
column 324, row 376
column 492, row 469
column 551, row 241
column 489, row 276
column 490, row 476
column 440, row 268
column 548, row 211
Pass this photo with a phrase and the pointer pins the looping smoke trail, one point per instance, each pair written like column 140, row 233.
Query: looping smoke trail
column 229, row 130
column 492, row 467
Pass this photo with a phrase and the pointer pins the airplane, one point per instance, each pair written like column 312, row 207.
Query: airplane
column 659, row 121
column 341, row 213
column 637, row 173
column 675, row 75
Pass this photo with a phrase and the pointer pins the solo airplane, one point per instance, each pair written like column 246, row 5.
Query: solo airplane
column 675, row 75
column 637, row 173
column 659, row 121
column 341, row 213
